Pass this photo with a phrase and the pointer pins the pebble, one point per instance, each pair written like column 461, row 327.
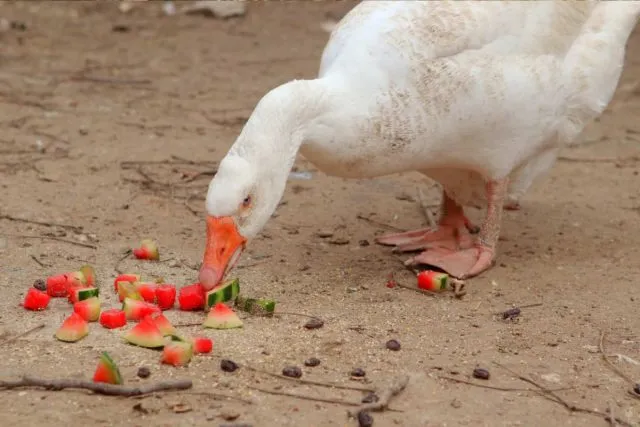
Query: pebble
column 481, row 373
column 393, row 345
column 40, row 285
column 324, row 234
column 339, row 241
column 365, row 419
column 292, row 372
column 370, row 398
column 363, row 243
column 228, row 365
column 636, row 388
column 314, row 323
column 311, row 362
column 358, row 373
column 144, row 372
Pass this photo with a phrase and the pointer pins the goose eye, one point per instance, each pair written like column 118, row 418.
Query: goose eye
column 246, row 202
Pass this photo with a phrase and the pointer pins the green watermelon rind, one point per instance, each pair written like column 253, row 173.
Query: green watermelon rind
column 228, row 291
column 222, row 321
column 111, row 367
column 86, row 293
column 255, row 306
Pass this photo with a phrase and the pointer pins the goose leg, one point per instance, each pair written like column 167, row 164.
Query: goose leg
column 453, row 231
column 470, row 261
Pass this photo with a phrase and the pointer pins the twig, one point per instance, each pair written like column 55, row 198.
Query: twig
column 490, row 387
column 310, row 382
column 426, row 208
column 553, row 397
column 98, row 388
column 37, row 261
column 45, row 223
column 220, row 396
column 57, row 239
column 110, row 80
column 609, row 363
column 304, row 397
column 124, row 256
column 25, row 333
column 537, row 304
column 396, row 387
column 378, row 223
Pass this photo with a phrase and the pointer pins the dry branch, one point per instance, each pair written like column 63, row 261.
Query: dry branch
column 396, row 387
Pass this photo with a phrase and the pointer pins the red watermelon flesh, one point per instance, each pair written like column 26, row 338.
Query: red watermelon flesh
column 145, row 334
column 202, row 345
column 128, row 290
column 163, row 324
column 74, row 328
column 148, row 250
column 107, row 371
column 147, row 291
column 126, row 277
column 136, row 310
column 191, row 297
column 57, row 285
column 88, row 309
column 165, row 296
column 222, row 317
column 177, row 353
column 113, row 318
column 89, row 274
column 36, row 300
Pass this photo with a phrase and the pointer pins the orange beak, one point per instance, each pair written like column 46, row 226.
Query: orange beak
column 223, row 249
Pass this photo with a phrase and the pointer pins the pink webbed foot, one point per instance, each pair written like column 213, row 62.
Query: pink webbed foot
column 461, row 264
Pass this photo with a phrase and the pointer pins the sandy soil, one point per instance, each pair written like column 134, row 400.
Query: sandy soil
column 182, row 86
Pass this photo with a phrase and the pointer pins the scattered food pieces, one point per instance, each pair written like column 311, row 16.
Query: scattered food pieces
column 365, row 419
column 148, row 250
column 88, row 309
column 36, row 300
column 145, row 334
column 191, row 297
column 57, row 286
column 481, row 373
column 40, row 285
column 177, row 353
column 163, row 324
column 511, row 314
column 143, row 372
column 128, row 290
column 314, row 323
column 222, row 317
column 113, row 318
column 73, row 329
column 292, row 372
column 136, row 310
column 393, row 345
column 165, row 296
column 81, row 294
column 312, row 362
column 125, row 277
column 227, row 291
column 261, row 306
column 147, row 291
column 358, row 373
column 433, row 280
column 89, row 274
column 202, row 345
column 228, row 365
column 107, row 371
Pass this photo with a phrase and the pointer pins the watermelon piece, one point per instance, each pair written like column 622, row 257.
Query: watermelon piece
column 113, row 318
column 107, row 371
column 147, row 291
column 145, row 334
column 228, row 291
column 222, row 317
column 191, row 297
column 36, row 300
column 177, row 353
column 164, row 325
column 165, row 296
column 148, row 250
column 73, row 329
column 202, row 345
column 89, row 274
column 76, row 279
column 88, row 309
column 125, row 277
column 57, row 286
column 128, row 290
column 433, row 280
column 261, row 306
column 79, row 294
column 136, row 310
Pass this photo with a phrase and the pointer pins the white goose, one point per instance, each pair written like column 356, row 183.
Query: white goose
column 477, row 95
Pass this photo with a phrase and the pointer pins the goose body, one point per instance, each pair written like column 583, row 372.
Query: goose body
column 479, row 96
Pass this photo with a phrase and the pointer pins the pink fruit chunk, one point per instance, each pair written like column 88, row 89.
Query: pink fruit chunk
column 148, row 250
column 113, row 318
column 191, row 297
column 126, row 277
column 202, row 345
column 73, row 329
column 177, row 353
column 136, row 310
column 147, row 291
column 57, row 286
column 36, row 300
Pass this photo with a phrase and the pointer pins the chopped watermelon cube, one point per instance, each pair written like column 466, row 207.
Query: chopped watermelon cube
column 79, row 294
column 177, row 353
column 145, row 334
column 36, row 300
column 113, row 318
column 73, row 329
column 202, row 345
column 191, row 297
column 222, row 317
column 433, row 280
column 165, row 296
column 107, row 371
column 57, row 285
column 89, row 274
column 147, row 291
column 148, row 250
column 136, row 310
column 128, row 290
column 88, row 309
column 125, row 278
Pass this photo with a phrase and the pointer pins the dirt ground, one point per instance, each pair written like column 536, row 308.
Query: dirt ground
column 77, row 99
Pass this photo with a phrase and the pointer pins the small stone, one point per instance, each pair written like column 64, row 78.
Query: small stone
column 636, row 388
column 323, row 234
column 314, row 323
column 393, row 345
column 144, row 372
column 363, row 243
column 365, row 419
column 511, row 314
column 120, row 28
column 370, row 398
column 40, row 285
column 229, row 415
column 352, row 289
column 358, row 373
column 292, row 372
column 228, row 365
column 339, row 241
column 481, row 373
column 455, row 403
column 311, row 362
